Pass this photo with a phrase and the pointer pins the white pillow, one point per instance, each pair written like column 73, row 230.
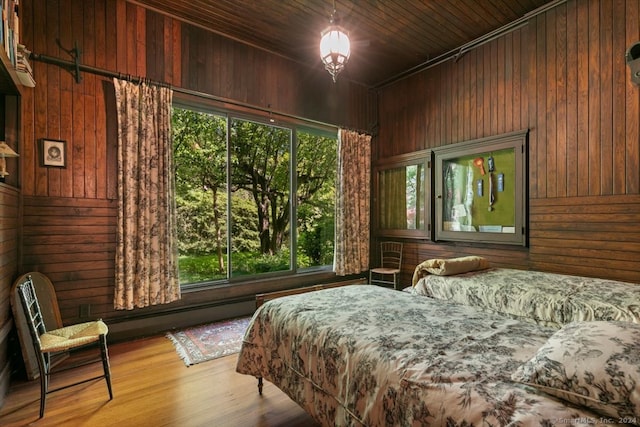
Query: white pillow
column 594, row 364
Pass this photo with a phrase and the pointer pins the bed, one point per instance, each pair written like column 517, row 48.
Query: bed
column 372, row 356
column 547, row 298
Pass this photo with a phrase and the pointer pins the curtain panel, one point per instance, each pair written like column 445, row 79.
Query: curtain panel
column 353, row 201
column 146, row 240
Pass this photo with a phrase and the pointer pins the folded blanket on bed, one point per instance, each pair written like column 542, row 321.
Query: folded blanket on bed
column 448, row 267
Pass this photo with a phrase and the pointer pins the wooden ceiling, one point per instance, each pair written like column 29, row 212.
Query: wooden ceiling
column 389, row 37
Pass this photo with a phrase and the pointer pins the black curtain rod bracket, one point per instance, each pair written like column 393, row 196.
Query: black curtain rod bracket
column 75, row 54
column 74, row 67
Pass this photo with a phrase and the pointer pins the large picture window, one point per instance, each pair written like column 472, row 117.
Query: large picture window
column 252, row 198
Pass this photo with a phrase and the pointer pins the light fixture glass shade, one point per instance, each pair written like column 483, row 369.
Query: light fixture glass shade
column 335, row 49
column 5, row 151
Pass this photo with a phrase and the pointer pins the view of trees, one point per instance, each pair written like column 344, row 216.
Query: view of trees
column 242, row 196
column 260, row 166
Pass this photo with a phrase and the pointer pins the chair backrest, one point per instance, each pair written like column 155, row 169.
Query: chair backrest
column 33, row 314
column 48, row 302
column 391, row 254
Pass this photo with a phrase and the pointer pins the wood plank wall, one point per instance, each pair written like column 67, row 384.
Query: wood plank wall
column 563, row 76
column 73, row 241
column 9, row 239
column 9, row 243
column 70, row 213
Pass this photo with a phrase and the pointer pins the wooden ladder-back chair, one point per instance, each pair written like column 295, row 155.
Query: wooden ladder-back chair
column 63, row 340
column 391, row 264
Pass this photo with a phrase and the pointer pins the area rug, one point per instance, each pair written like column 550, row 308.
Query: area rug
column 207, row 342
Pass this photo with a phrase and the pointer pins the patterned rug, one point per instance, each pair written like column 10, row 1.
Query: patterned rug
column 207, row 342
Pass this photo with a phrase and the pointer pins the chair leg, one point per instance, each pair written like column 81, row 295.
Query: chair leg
column 105, row 363
column 43, row 368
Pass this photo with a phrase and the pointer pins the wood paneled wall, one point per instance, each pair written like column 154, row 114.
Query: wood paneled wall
column 72, row 241
column 9, row 234
column 70, row 213
column 9, row 243
column 564, row 77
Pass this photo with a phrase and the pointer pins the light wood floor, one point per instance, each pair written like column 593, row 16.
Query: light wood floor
column 153, row 387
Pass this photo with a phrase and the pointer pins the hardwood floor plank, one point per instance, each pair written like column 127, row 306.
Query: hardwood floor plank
column 153, row 387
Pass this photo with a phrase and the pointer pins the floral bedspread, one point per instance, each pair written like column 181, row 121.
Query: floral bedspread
column 546, row 298
column 367, row 355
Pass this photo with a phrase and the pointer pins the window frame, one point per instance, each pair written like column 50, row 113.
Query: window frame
column 422, row 157
column 518, row 141
column 263, row 117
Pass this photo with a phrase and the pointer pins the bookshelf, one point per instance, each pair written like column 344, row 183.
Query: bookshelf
column 9, row 80
column 10, row 91
column 16, row 57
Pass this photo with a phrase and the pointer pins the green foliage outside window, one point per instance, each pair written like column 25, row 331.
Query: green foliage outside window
column 260, row 181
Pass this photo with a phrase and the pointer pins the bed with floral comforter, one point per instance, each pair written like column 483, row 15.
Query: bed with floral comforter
column 366, row 355
column 547, row 298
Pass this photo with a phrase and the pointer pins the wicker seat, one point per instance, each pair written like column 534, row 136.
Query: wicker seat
column 65, row 339
column 390, row 267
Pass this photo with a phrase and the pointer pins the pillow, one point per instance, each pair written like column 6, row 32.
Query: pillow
column 594, row 364
column 448, row 267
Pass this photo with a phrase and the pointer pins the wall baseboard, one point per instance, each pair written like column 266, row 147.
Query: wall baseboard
column 133, row 328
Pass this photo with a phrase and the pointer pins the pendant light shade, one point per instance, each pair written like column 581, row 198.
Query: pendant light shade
column 5, row 151
column 335, row 47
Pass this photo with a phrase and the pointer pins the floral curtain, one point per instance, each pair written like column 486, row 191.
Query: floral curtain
column 353, row 203
column 146, row 251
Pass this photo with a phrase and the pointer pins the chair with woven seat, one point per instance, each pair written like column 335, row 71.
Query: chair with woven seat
column 66, row 339
column 390, row 267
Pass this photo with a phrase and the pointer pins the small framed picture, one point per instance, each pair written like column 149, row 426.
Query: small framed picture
column 53, row 153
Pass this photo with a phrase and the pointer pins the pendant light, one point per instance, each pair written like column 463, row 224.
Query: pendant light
column 335, row 47
column 5, row 151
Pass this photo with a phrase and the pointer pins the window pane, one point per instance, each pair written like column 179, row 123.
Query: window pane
column 475, row 197
column 260, row 199
column 200, row 156
column 401, row 192
column 415, row 193
column 316, row 180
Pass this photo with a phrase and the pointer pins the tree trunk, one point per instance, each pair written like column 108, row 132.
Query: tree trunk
column 263, row 227
column 216, row 225
column 279, row 225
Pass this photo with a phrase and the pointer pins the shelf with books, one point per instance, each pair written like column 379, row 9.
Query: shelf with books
column 10, row 28
column 9, row 80
column 15, row 58
column 23, row 67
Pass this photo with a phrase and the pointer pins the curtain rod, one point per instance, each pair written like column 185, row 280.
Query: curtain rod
column 75, row 67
